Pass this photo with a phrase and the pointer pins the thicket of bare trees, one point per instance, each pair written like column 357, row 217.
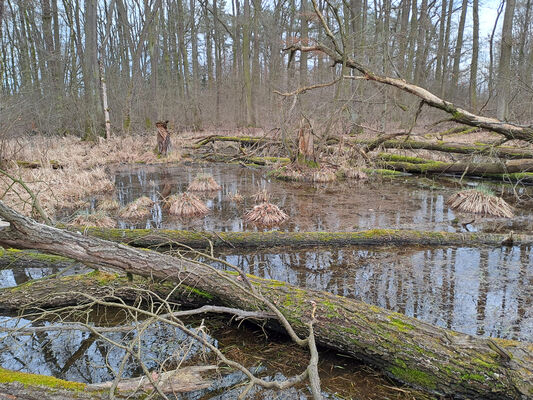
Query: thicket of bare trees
column 212, row 62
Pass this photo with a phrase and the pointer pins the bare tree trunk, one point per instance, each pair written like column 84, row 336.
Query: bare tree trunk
column 504, row 67
column 458, row 51
column 475, row 53
column 440, row 46
column 491, row 51
column 250, row 112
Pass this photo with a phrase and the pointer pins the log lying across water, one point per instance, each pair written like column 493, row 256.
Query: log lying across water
column 419, row 354
column 250, row 240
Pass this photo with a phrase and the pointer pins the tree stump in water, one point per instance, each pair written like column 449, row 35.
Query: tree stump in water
column 163, row 138
column 306, row 151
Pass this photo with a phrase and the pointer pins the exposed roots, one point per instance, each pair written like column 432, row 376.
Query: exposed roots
column 480, row 202
column 186, row 205
column 138, row 209
column 204, row 183
column 266, row 214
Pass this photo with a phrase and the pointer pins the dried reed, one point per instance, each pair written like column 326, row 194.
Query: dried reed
column 355, row 173
column 261, row 196
column 266, row 214
column 203, row 183
column 137, row 209
column 324, row 175
column 480, row 201
column 186, row 205
column 236, row 197
column 108, row 204
column 99, row 219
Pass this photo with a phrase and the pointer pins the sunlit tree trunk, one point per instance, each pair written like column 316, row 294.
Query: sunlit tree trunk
column 475, row 53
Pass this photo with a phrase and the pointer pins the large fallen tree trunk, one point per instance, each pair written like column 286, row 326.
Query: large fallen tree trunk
column 512, row 170
column 510, row 153
column 167, row 238
column 411, row 351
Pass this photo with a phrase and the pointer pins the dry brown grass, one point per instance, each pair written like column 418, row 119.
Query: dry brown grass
column 204, row 183
column 137, row 209
column 480, row 202
column 108, row 204
column 186, row 205
column 262, row 196
column 324, row 175
column 99, row 219
column 236, row 197
column 355, row 173
column 266, row 214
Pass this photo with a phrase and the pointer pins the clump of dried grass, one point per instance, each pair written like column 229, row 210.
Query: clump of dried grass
column 108, row 204
column 236, row 197
column 137, row 209
column 186, row 205
column 203, row 183
column 262, row 196
column 266, row 214
column 99, row 219
column 480, row 201
column 355, row 173
column 324, row 175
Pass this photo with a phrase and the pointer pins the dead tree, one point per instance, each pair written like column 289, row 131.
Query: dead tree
column 163, row 138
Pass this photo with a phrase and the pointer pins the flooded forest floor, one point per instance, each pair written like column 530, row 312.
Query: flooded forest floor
column 478, row 290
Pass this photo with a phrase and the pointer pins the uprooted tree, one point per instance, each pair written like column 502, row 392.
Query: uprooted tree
column 419, row 354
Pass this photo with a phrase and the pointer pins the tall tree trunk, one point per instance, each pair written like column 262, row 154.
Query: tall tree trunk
column 250, row 112
column 420, row 62
column 440, row 46
column 445, row 62
column 218, row 40
column 304, row 33
column 504, row 67
column 256, row 68
column 458, row 50
column 491, row 50
column 475, row 53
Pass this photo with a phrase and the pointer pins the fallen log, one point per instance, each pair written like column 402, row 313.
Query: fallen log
column 419, row 354
column 512, row 170
column 253, row 239
column 510, row 153
column 21, row 385
column 243, row 140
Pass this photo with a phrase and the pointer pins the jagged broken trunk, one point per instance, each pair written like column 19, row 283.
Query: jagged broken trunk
column 419, row 354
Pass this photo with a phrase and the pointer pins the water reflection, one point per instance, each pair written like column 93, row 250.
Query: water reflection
column 483, row 291
column 83, row 357
column 336, row 206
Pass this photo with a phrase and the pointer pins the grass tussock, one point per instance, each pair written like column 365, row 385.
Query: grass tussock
column 108, row 204
column 324, row 175
column 262, row 196
column 266, row 214
column 137, row 209
column 99, row 219
column 480, row 201
column 295, row 173
column 236, row 197
column 355, row 173
column 186, row 205
column 203, row 183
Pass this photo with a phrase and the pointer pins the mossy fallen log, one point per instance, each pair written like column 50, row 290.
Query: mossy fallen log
column 14, row 258
column 373, row 237
column 505, row 152
column 243, row 140
column 37, row 164
column 512, row 170
column 419, row 354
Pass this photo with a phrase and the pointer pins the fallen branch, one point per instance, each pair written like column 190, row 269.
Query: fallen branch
column 411, row 351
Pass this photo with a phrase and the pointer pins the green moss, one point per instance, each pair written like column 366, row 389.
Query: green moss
column 384, row 172
column 7, row 376
column 413, row 376
column 402, row 326
column 473, row 377
column 399, row 158
column 198, row 292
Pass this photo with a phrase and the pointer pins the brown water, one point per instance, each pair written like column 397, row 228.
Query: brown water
column 396, row 203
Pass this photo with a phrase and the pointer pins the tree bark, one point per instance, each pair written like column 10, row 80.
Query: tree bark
column 504, row 67
column 421, row 355
column 509, row 153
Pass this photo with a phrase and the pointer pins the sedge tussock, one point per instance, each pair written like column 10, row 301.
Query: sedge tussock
column 478, row 201
column 203, row 183
column 98, row 219
column 186, row 205
column 137, row 209
column 108, row 204
column 355, row 173
column 266, row 214
column 261, row 196
column 236, row 197
column 324, row 175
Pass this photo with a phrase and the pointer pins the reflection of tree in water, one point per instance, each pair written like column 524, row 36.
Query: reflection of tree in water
column 82, row 357
column 483, row 291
